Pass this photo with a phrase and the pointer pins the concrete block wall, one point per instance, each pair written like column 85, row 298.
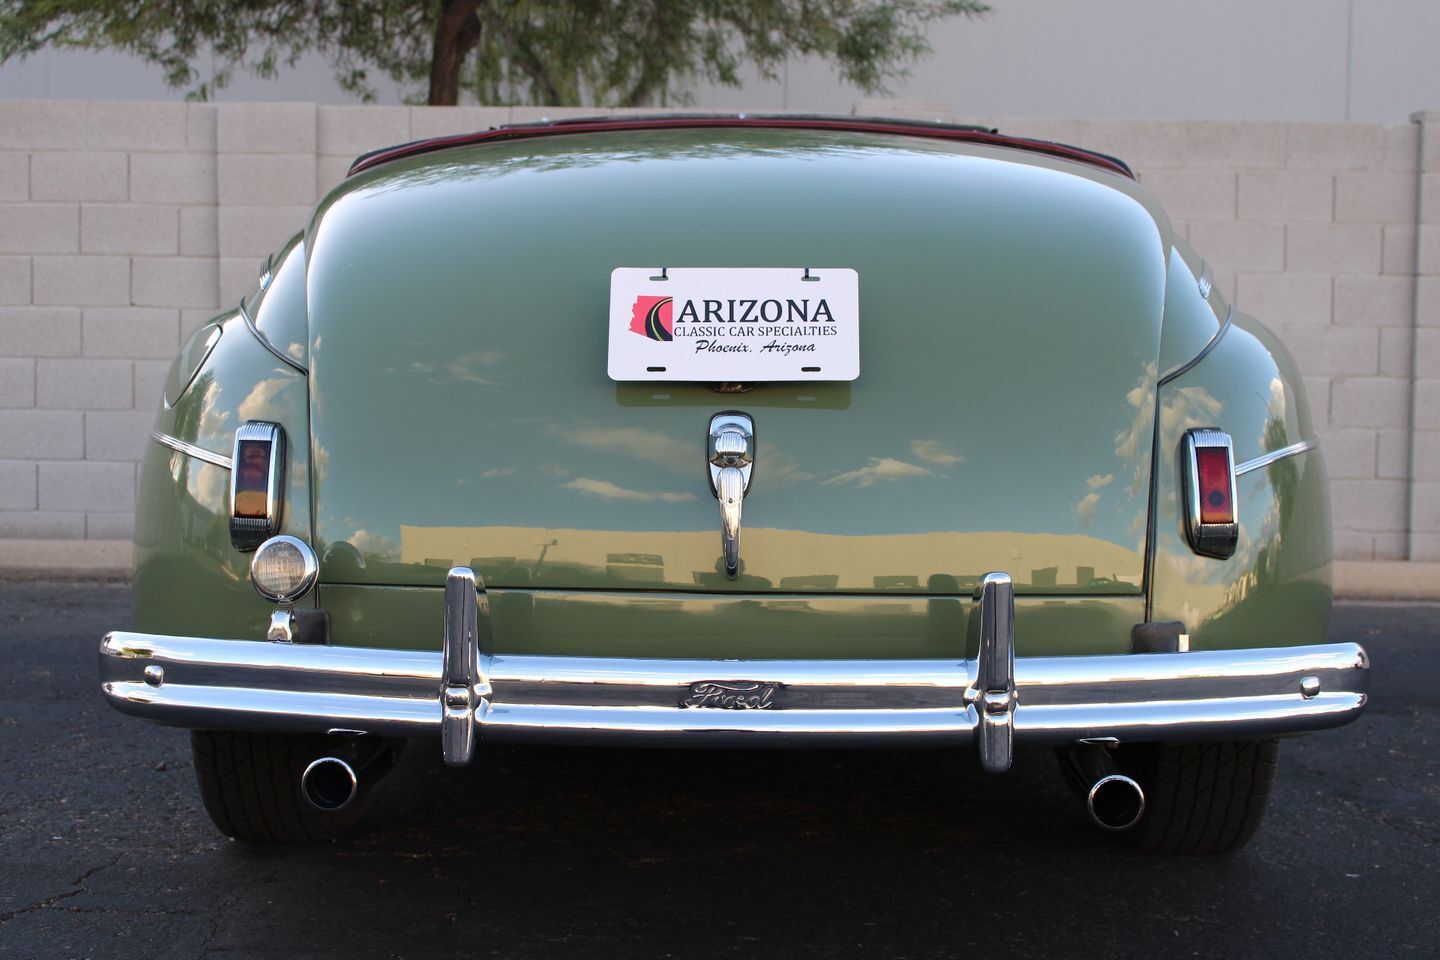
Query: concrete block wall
column 125, row 225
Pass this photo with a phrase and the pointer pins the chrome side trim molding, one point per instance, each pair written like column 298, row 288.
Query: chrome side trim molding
column 265, row 342
column 254, row 685
column 1204, row 351
column 189, row 449
column 1269, row 458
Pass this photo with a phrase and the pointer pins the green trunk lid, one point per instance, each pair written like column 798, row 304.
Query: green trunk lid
column 1010, row 321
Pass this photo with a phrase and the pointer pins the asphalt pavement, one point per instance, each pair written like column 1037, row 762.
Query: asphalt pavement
column 105, row 851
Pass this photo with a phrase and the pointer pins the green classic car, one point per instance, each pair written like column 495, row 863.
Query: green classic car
column 736, row 430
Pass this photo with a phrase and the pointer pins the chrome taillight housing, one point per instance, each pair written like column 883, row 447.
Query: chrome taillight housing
column 257, row 477
column 1207, row 463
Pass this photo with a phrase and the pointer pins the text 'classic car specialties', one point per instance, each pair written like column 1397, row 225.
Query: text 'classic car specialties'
column 736, row 430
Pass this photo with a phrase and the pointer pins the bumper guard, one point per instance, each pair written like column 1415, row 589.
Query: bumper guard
column 463, row 695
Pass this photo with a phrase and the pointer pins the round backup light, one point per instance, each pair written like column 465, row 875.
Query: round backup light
column 283, row 569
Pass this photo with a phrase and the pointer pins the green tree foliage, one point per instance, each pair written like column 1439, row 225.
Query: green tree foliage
column 604, row 52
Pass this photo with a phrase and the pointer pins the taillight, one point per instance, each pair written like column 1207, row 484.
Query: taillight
column 1208, row 465
column 257, row 475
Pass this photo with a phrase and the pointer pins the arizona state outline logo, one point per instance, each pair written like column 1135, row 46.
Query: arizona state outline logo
column 652, row 317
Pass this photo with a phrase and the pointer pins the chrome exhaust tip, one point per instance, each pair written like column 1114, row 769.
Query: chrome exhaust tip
column 1115, row 802
column 329, row 784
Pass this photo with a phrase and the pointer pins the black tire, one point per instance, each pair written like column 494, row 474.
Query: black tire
column 250, row 783
column 1201, row 798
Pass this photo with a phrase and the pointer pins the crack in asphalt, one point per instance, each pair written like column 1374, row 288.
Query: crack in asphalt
column 79, row 883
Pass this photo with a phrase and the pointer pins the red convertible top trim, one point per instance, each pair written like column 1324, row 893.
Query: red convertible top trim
column 968, row 134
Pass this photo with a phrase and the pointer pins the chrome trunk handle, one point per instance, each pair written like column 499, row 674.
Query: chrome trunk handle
column 731, row 454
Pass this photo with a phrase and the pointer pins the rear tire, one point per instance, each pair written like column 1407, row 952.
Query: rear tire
column 250, row 783
column 1201, row 798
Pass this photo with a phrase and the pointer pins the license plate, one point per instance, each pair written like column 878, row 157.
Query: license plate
column 721, row 324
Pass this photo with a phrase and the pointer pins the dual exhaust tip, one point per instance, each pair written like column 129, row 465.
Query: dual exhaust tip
column 1115, row 802
column 329, row 784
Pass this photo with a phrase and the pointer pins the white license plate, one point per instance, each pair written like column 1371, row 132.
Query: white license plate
column 743, row 324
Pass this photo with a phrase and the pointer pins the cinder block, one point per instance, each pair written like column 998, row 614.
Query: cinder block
column 1375, row 301
column 1353, row 545
column 14, row 280
column 1237, row 247
column 174, row 282
column 18, row 485
column 41, row 525
column 130, row 332
column 85, row 384
column 1285, row 298
column 86, row 485
column 354, row 130
column 191, row 319
column 200, row 126
column 1424, row 546
column 1145, row 146
column 1427, row 307
column 150, row 382
column 541, row 114
column 1375, row 197
column 1425, row 510
column 904, row 109
column 330, row 172
column 117, row 434
column 1334, row 146
column 267, row 179
column 1427, row 455
column 129, row 228
column 1333, row 352
column 1427, row 260
column 1427, row 403
column 256, row 231
column 1333, row 248
column 1286, row 195
column 135, row 125
column 199, row 232
column 1368, row 505
column 1390, row 546
column 237, row 277
column 74, row 176
column 1427, row 351
column 17, row 382
column 42, row 434
column 1317, row 391
column 39, row 332
column 14, row 177
column 1402, row 147
column 1395, row 351
column 1391, row 454
column 82, row 281
column 39, row 227
column 1233, row 146
column 1429, row 202
column 1193, row 194
column 1349, row 452
column 265, row 128
column 427, row 122
column 172, row 178
column 110, row 526
column 1399, row 255
column 42, row 125
column 1371, row 402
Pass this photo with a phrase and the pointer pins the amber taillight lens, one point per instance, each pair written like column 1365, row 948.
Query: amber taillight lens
column 257, row 471
column 1216, row 498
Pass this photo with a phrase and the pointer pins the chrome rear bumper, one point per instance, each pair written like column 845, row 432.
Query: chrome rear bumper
column 462, row 695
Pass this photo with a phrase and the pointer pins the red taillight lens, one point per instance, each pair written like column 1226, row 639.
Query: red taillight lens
column 257, row 473
column 1216, row 497
column 252, row 478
